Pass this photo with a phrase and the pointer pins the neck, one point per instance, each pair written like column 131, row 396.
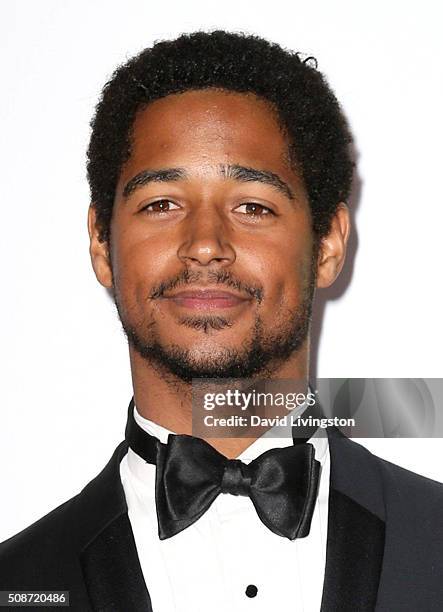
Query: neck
column 167, row 401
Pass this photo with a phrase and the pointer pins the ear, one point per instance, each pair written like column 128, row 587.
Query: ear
column 99, row 251
column 332, row 251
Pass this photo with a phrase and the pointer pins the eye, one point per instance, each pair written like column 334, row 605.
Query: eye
column 254, row 209
column 160, row 206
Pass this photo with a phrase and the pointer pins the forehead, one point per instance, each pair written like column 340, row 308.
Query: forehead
column 208, row 127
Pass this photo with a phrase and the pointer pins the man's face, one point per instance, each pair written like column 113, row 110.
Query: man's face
column 212, row 251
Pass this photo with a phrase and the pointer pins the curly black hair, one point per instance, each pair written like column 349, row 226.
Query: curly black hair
column 306, row 107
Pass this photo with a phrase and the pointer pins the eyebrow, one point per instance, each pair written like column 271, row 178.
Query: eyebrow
column 145, row 177
column 252, row 175
column 236, row 172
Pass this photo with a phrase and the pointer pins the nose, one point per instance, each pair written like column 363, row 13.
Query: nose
column 206, row 241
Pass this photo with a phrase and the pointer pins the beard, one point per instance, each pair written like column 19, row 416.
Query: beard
column 260, row 355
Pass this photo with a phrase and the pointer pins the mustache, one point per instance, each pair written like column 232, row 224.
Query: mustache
column 215, row 277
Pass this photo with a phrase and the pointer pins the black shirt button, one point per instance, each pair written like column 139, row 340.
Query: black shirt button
column 251, row 590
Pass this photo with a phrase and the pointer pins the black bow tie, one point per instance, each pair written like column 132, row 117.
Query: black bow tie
column 282, row 483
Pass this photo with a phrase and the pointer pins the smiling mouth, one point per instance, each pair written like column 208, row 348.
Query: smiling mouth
column 205, row 299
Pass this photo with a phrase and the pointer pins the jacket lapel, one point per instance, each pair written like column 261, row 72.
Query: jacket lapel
column 353, row 558
column 356, row 529
column 112, row 570
column 109, row 560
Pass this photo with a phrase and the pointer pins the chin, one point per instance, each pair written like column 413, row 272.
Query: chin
column 208, row 351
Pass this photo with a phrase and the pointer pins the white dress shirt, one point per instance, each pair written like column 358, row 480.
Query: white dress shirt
column 209, row 565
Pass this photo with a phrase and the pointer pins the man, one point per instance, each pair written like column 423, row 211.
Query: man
column 219, row 168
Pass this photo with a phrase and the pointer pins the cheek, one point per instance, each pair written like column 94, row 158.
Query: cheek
column 285, row 273
column 138, row 265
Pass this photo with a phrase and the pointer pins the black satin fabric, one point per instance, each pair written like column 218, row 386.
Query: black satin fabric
column 282, row 483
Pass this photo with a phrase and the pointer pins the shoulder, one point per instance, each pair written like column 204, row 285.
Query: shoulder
column 413, row 492
column 51, row 547
column 48, row 541
column 381, row 486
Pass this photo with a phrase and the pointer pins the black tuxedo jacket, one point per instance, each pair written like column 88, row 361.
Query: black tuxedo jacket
column 384, row 547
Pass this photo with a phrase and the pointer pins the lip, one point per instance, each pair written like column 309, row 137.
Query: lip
column 205, row 299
